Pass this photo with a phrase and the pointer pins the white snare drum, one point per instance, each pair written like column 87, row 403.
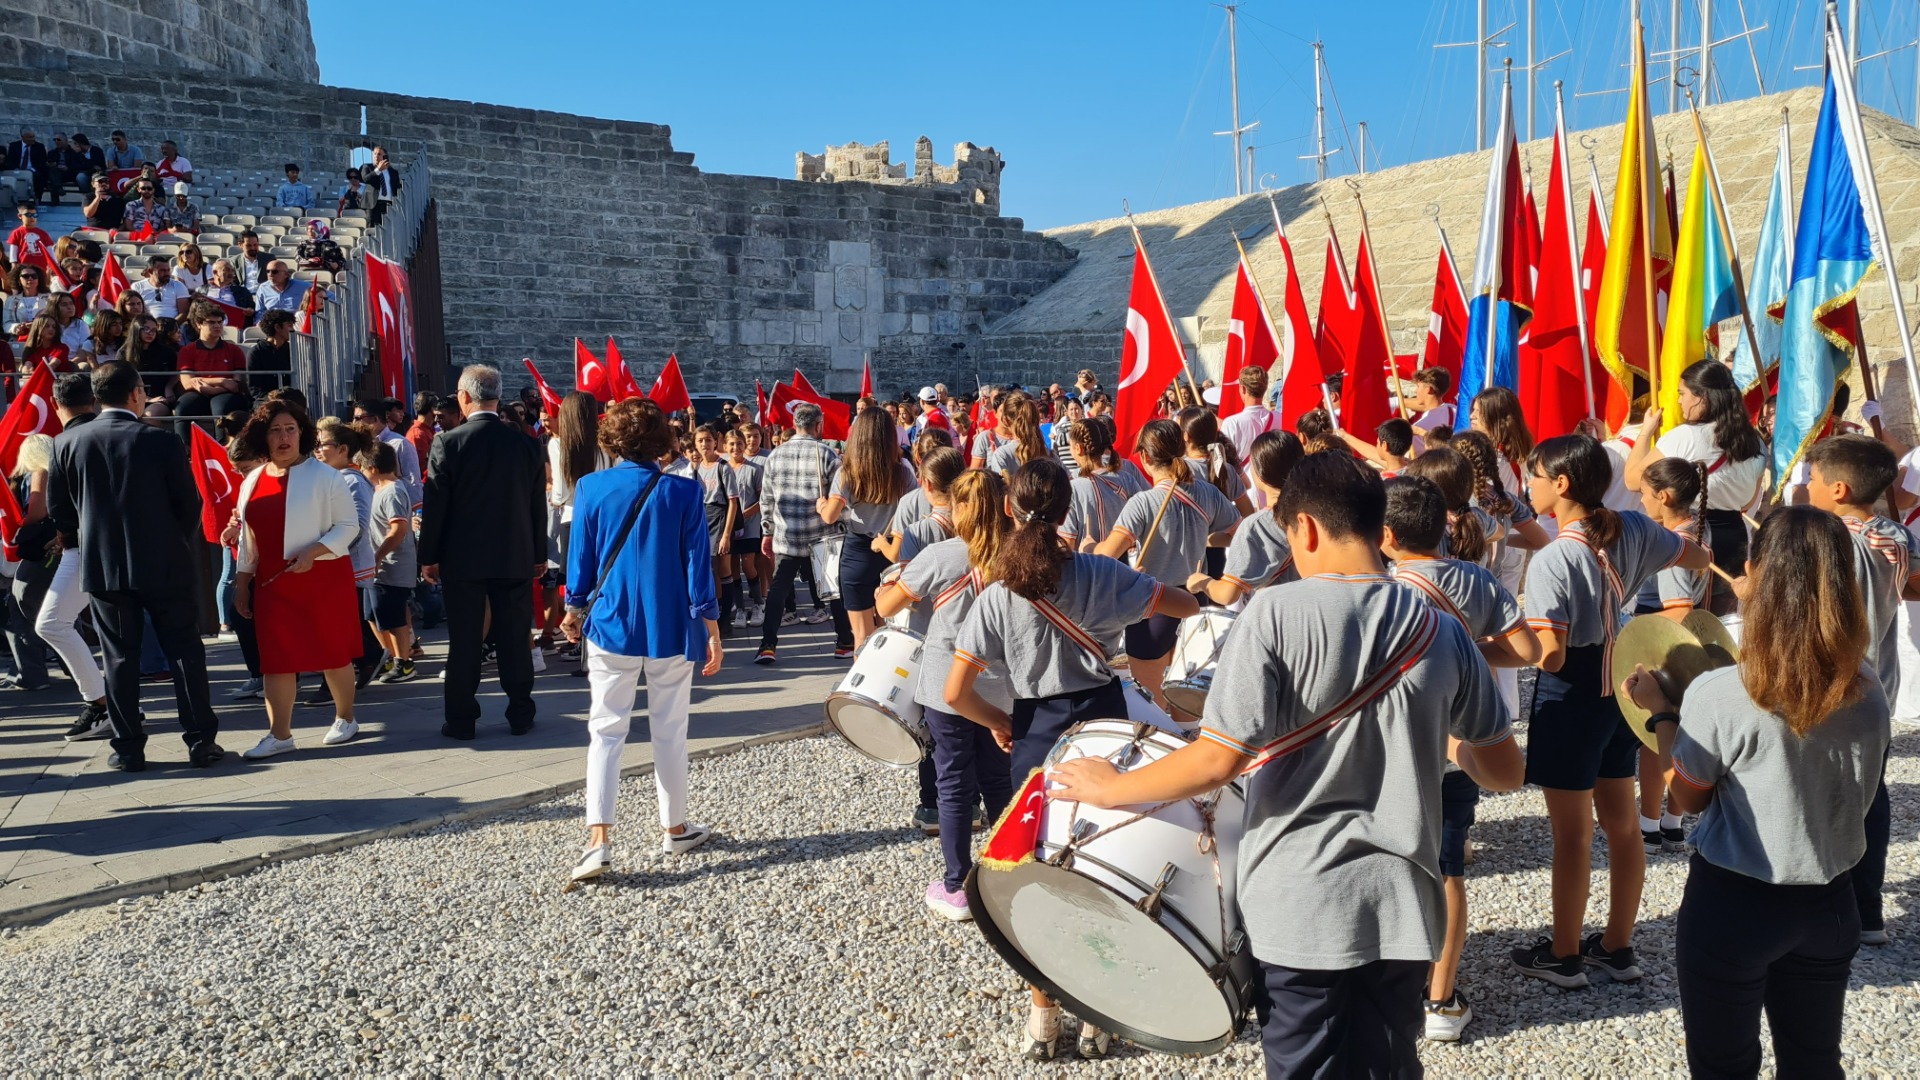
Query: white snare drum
column 873, row 707
column 825, row 556
column 1130, row 923
column 1190, row 666
column 1141, row 709
column 903, row 618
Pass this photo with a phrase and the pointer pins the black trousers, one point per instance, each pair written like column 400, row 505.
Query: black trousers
column 511, row 600
column 1744, row 946
column 784, row 568
column 1870, row 873
column 1363, row 1021
column 120, row 618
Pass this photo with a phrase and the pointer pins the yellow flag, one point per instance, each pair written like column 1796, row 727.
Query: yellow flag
column 1624, row 329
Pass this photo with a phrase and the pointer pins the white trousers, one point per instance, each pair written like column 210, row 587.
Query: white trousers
column 64, row 602
column 612, row 679
column 1906, row 701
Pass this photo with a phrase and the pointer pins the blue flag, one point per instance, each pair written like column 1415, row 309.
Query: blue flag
column 1771, row 269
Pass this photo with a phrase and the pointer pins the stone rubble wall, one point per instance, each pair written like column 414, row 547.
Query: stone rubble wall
column 263, row 38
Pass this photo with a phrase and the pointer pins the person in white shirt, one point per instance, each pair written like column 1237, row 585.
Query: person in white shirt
column 1254, row 418
column 165, row 297
column 1430, row 387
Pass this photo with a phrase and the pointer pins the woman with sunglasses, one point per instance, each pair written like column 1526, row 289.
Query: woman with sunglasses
column 26, row 298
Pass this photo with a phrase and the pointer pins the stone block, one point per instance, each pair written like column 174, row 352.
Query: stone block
column 779, row 331
column 752, row 332
column 922, row 324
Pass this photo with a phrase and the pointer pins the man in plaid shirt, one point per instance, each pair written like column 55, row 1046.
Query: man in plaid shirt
column 798, row 473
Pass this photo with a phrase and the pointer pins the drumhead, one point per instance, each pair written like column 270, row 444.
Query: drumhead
column 1103, row 958
column 874, row 730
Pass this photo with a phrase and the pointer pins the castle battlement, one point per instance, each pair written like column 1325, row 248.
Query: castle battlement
column 975, row 170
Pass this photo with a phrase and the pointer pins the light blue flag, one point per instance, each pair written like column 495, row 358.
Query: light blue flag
column 1770, row 271
column 1502, row 298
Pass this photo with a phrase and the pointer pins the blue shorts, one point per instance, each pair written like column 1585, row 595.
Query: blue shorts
column 1152, row 637
column 1038, row 723
column 1458, row 797
column 860, row 570
column 1575, row 736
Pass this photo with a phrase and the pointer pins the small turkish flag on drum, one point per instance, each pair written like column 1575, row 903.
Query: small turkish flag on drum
column 1017, row 835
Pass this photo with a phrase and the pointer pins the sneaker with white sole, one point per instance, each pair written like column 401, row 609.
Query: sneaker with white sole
column 757, row 616
column 249, row 689
column 818, row 616
column 341, row 731
column 539, row 660
column 790, row 619
column 1447, row 1020
column 1093, row 1043
column 404, row 671
column 681, row 843
column 1043, row 1032
column 267, row 747
column 1539, row 962
column 91, row 724
column 950, row 904
column 595, row 861
column 1618, row 964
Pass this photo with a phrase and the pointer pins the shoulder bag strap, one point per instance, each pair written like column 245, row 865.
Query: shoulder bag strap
column 620, row 541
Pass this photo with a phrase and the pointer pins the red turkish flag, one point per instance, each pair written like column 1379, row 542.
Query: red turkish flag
column 1016, row 836
column 779, row 407
column 311, row 304
column 836, row 418
column 549, row 397
column 1365, row 399
column 1252, row 340
column 800, row 383
column 218, row 480
column 619, row 379
column 30, row 414
column 590, row 375
column 11, row 520
column 1151, row 355
column 1553, row 388
column 113, row 283
column 237, row 317
column 761, row 415
column 1446, row 320
column 1299, row 353
column 866, row 377
column 670, row 390
column 121, row 179
column 390, row 310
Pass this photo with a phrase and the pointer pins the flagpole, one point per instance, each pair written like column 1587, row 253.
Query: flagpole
column 1593, row 184
column 1493, row 298
column 1878, row 220
column 1646, row 212
column 1273, row 331
column 1726, row 236
column 1346, row 288
column 1573, row 265
column 1379, row 308
column 1141, row 246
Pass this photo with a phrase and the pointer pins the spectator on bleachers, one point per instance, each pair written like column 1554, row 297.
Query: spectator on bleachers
column 190, row 268
column 251, row 261
column 64, row 167
column 293, row 194
column 90, row 161
column 171, row 165
column 272, row 356
column 123, row 154
column 146, row 208
column 28, row 242
column 75, row 334
column 206, row 388
column 43, row 343
column 223, row 284
column 104, row 209
column 86, row 280
column 152, row 353
column 26, row 298
column 26, row 154
column 385, row 182
column 165, row 297
column 109, row 337
column 133, row 306
column 282, row 291
column 356, row 195
column 183, row 214
column 318, row 251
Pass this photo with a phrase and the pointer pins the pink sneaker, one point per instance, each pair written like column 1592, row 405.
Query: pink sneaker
column 948, row 904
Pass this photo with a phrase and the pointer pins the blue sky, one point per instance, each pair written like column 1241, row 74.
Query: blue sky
column 1088, row 102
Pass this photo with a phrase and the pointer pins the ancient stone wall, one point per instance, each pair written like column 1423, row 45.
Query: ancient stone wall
column 975, row 172
column 556, row 226
column 270, row 38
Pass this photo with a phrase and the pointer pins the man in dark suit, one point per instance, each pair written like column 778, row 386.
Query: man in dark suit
column 28, row 154
column 483, row 537
column 122, row 492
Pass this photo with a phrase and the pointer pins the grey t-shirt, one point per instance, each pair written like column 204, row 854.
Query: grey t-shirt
column 1005, row 458
column 1259, row 555
column 924, row 533
column 1883, row 557
column 870, row 518
column 913, row 506
column 984, row 444
column 1786, row 809
column 944, row 588
column 1340, row 860
column 1231, row 483
column 401, row 566
column 1180, row 542
column 1467, row 591
column 360, row 552
column 1675, row 588
column 1092, row 508
column 1101, row 596
column 1131, row 477
column 746, row 481
column 1564, row 587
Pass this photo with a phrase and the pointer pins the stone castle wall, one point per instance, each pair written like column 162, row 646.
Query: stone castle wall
column 555, row 226
column 238, row 37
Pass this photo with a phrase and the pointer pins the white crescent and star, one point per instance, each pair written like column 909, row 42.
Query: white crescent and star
column 215, row 472
column 1142, row 338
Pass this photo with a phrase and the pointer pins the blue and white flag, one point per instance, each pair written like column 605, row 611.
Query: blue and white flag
column 1772, row 267
column 1502, row 299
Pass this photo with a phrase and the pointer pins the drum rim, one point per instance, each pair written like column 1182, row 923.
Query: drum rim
column 1017, row 960
column 833, row 722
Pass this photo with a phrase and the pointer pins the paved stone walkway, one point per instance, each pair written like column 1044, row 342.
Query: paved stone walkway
column 74, row 833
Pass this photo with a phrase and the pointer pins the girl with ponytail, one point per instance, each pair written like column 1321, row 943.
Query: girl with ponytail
column 1579, row 749
column 1171, row 527
column 1674, row 493
column 1050, row 620
column 1508, row 505
column 1098, row 491
column 1020, row 440
column 1471, row 531
column 1259, row 555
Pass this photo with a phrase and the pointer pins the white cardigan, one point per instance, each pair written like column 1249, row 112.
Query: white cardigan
column 319, row 509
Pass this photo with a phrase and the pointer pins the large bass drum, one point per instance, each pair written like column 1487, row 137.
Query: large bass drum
column 1127, row 916
column 1196, row 652
column 873, row 707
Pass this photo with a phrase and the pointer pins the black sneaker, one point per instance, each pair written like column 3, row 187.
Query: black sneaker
column 1618, row 964
column 403, row 671
column 321, row 695
column 765, row 657
column 1539, row 962
column 488, row 654
column 927, row 820
column 1654, row 844
column 1674, row 840
column 92, row 724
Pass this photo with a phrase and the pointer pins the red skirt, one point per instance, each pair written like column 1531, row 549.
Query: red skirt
column 304, row 622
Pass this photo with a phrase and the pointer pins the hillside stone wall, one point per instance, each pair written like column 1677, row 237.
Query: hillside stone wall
column 270, row 38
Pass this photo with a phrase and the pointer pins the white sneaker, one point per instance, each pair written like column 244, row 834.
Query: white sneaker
column 341, row 731
column 757, row 616
column 594, row 861
column 1447, row 1020
column 539, row 659
column 819, row 616
column 686, row 841
column 267, row 747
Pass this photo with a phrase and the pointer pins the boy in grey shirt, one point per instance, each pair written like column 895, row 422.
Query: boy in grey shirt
column 397, row 567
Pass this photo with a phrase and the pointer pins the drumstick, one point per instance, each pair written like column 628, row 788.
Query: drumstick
column 1750, row 522
column 1154, row 529
column 1728, row 578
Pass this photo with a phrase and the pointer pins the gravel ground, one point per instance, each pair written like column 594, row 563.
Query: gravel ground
column 795, row 942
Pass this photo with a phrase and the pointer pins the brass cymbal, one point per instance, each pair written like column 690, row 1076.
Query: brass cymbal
column 1714, row 635
column 1672, row 652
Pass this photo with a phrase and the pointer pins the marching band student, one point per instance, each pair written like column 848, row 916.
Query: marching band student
column 1506, row 500
column 866, row 490
column 1430, row 387
column 1211, row 457
column 1019, row 439
column 1780, row 756
column 1050, row 620
column 1172, row 524
column 937, row 473
column 1350, row 685
column 1390, row 450
column 1259, row 555
column 1123, row 471
column 985, row 442
column 720, row 495
column 750, row 579
column 1417, row 524
column 915, row 504
column 942, row 583
column 1674, row 494
column 1098, row 491
column 1471, row 531
column 1849, row 475
column 1579, row 750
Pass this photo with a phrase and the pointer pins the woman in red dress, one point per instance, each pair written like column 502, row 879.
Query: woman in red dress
column 297, row 520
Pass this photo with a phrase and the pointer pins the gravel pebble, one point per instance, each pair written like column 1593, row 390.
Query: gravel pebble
column 795, row 942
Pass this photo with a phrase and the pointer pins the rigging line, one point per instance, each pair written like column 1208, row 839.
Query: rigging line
column 1199, row 83
column 1335, row 92
column 1430, row 31
column 1255, row 18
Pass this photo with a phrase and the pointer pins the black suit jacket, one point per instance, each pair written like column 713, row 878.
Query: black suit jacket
column 485, row 513
column 125, row 491
column 23, row 156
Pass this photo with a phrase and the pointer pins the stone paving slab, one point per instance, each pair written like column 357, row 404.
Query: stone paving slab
column 74, row 833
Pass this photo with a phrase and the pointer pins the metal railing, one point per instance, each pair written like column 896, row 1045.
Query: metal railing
column 328, row 362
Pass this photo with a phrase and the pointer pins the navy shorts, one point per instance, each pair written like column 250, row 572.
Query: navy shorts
column 390, row 606
column 1459, row 795
column 1152, row 637
column 1575, row 736
column 860, row 569
column 1038, row 723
